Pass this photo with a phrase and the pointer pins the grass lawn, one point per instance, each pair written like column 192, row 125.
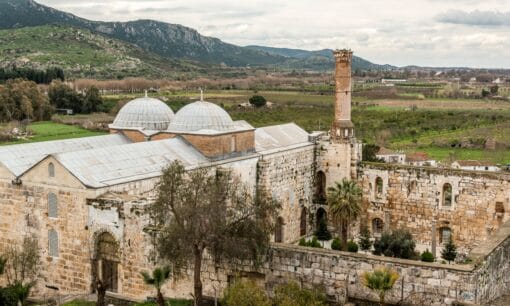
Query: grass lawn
column 47, row 130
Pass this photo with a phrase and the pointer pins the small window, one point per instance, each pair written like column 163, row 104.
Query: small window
column 445, row 235
column 51, row 170
column 378, row 187
column 52, row 243
column 447, row 195
column 52, row 205
column 233, row 144
column 377, row 226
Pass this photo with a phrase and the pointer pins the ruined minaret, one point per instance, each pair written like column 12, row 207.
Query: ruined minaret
column 342, row 129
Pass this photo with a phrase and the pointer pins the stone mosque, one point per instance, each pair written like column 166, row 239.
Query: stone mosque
column 84, row 199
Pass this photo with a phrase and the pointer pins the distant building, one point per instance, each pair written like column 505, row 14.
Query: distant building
column 475, row 165
column 420, row 159
column 389, row 156
column 392, row 81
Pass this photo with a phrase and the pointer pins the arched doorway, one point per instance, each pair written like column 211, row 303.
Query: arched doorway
column 302, row 226
column 322, row 216
column 278, row 234
column 106, row 261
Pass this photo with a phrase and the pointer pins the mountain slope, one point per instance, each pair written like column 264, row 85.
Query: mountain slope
column 170, row 40
column 82, row 53
column 317, row 60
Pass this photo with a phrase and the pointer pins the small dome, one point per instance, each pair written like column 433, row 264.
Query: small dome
column 146, row 113
column 201, row 115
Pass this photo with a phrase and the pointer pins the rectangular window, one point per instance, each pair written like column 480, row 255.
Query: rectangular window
column 233, row 144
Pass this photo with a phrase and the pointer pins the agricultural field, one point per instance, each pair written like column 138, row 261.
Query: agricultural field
column 445, row 128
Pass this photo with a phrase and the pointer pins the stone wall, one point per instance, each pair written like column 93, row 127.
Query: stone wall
column 413, row 197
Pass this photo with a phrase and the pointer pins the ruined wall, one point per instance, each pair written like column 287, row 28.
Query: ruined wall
column 288, row 177
column 414, row 198
column 337, row 161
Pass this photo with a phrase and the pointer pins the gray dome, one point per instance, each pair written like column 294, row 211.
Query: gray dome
column 201, row 115
column 146, row 113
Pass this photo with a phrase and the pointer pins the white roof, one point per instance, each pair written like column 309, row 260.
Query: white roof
column 280, row 136
column 19, row 158
column 144, row 113
column 201, row 115
column 125, row 163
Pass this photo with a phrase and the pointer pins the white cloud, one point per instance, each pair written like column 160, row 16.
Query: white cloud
column 421, row 32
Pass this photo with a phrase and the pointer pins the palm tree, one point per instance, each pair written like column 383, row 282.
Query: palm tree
column 380, row 280
column 158, row 278
column 344, row 201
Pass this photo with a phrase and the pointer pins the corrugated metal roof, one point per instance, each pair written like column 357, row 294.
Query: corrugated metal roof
column 125, row 163
column 19, row 158
column 279, row 136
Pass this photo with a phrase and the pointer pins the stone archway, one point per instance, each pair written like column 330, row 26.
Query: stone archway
column 278, row 235
column 321, row 216
column 106, row 261
column 320, row 187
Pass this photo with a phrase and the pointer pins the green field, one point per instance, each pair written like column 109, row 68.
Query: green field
column 45, row 131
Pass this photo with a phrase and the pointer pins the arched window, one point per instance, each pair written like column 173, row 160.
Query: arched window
column 233, row 143
column 447, row 195
column 278, row 235
column 304, row 216
column 52, row 205
column 412, row 187
column 51, row 170
column 377, row 226
column 53, row 243
column 378, row 187
column 320, row 186
column 445, row 234
column 321, row 216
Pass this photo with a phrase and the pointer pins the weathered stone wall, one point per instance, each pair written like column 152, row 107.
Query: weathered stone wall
column 288, row 177
column 412, row 197
column 133, row 135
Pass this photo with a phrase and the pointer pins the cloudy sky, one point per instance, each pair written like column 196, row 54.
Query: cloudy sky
column 473, row 33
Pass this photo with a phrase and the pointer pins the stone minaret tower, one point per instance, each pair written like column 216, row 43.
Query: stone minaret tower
column 342, row 129
column 339, row 152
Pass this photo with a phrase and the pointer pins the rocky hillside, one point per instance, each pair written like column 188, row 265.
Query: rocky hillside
column 83, row 53
column 173, row 40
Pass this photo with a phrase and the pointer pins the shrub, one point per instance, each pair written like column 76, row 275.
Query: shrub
column 258, row 101
column 312, row 243
column 377, row 247
column 398, row 243
column 245, row 293
column 322, row 232
column 352, row 246
column 449, row 252
column 302, row 242
column 427, row 256
column 292, row 295
column 364, row 239
column 8, row 297
column 336, row 244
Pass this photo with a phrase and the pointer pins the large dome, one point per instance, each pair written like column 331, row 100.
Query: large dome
column 201, row 115
column 146, row 113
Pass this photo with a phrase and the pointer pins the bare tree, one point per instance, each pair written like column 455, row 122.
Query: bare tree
column 199, row 211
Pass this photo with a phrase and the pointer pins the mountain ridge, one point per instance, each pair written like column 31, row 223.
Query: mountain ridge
column 166, row 39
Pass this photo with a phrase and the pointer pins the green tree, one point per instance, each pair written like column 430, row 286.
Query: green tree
column 292, row 294
column 494, row 90
column 92, row 100
column 369, row 152
column 398, row 243
column 157, row 279
column 344, row 206
column 381, row 281
column 245, row 293
column 63, row 96
column 364, row 240
column 20, row 99
column 449, row 251
column 258, row 101
column 200, row 210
